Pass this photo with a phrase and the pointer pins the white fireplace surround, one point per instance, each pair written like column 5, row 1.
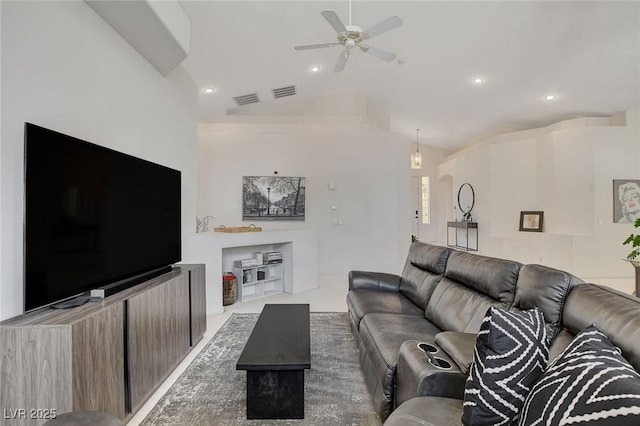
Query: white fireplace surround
column 217, row 250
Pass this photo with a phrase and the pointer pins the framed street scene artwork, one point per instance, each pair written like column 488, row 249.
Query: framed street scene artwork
column 626, row 200
column 531, row 221
column 273, row 198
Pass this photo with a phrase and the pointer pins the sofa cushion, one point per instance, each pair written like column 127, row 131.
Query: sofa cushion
column 616, row 314
column 488, row 275
column 428, row 257
column 471, row 285
column 560, row 344
column 454, row 307
column 427, row 411
column 511, row 353
column 381, row 336
column 545, row 288
column 362, row 302
column 385, row 333
column 422, row 271
column 589, row 384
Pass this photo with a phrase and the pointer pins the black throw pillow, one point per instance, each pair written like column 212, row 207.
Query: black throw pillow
column 511, row 354
column 590, row 383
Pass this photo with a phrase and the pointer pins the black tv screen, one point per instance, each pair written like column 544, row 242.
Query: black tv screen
column 93, row 216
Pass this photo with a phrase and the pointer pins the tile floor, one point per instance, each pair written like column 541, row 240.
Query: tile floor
column 330, row 296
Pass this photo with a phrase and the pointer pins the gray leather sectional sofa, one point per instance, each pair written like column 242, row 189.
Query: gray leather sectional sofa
column 416, row 332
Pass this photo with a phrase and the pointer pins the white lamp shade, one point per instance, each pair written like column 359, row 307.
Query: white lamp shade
column 416, row 160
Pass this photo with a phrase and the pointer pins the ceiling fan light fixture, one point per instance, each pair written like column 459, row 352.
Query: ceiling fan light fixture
column 416, row 161
column 416, row 157
column 350, row 36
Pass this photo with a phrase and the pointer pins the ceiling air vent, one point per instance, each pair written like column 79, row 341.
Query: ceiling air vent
column 284, row 91
column 251, row 98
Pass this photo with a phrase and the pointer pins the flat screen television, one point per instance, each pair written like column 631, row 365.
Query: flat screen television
column 93, row 217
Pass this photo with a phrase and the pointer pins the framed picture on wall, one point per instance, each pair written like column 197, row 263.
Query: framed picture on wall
column 626, row 200
column 273, row 198
column 531, row 221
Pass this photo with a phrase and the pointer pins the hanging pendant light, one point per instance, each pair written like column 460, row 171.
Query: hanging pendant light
column 416, row 157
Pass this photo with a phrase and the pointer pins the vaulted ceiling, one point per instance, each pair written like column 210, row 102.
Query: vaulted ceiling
column 586, row 53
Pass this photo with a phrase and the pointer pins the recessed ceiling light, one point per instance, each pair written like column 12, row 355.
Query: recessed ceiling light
column 478, row 80
column 315, row 68
column 550, row 97
column 208, row 90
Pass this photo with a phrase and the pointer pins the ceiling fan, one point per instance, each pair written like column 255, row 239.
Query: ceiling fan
column 351, row 36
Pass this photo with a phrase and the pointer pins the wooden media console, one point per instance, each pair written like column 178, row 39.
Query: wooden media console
column 102, row 356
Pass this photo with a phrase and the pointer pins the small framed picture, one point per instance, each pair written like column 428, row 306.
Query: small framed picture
column 626, row 200
column 531, row 221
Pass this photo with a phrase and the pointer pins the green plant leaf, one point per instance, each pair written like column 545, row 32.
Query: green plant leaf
column 634, row 240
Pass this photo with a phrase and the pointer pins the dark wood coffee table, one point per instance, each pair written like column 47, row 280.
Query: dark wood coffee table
column 275, row 357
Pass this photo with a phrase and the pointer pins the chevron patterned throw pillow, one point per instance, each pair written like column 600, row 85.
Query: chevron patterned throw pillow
column 511, row 354
column 590, row 383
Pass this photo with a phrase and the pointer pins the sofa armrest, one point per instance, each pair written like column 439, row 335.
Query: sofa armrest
column 444, row 384
column 380, row 281
column 416, row 376
column 427, row 411
column 459, row 346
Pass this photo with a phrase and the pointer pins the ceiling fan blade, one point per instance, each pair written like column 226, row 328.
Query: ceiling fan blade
column 332, row 18
column 378, row 53
column 382, row 27
column 342, row 60
column 314, row 46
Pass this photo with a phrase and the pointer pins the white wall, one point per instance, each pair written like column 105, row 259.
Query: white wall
column 370, row 169
column 1, row 198
column 64, row 68
column 565, row 170
column 433, row 232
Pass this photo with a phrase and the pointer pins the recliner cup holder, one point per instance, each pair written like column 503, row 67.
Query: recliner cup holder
column 437, row 362
column 427, row 347
column 440, row 363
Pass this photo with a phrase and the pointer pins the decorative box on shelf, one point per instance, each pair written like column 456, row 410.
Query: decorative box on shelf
column 245, row 263
column 235, row 229
column 272, row 257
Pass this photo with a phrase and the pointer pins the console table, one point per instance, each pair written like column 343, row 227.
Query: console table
column 102, row 356
column 465, row 227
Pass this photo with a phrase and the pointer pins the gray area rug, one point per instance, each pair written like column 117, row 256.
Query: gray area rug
column 212, row 392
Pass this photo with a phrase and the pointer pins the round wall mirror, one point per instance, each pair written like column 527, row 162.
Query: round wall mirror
column 466, row 198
